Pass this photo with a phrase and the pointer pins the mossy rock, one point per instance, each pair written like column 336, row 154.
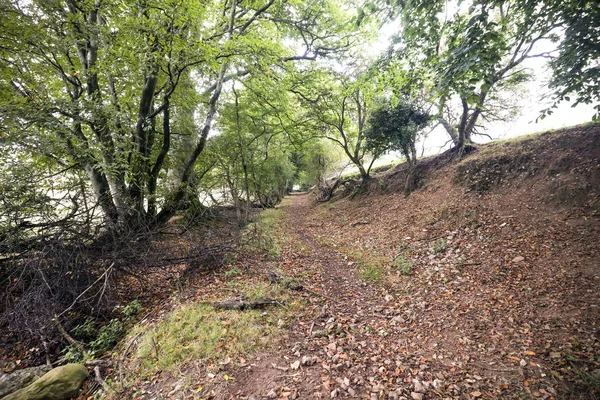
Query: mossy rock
column 10, row 383
column 61, row 383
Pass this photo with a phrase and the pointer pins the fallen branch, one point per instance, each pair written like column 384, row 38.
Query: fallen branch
column 359, row 223
column 245, row 305
column 69, row 338
column 99, row 363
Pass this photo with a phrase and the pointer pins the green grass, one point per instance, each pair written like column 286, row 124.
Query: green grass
column 370, row 273
column 201, row 332
column 261, row 234
column 403, row 264
column 439, row 246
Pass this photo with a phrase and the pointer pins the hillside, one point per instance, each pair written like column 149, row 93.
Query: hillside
column 483, row 283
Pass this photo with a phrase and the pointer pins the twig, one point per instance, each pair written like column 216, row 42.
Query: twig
column 359, row 223
column 101, row 381
column 288, row 376
column 84, row 292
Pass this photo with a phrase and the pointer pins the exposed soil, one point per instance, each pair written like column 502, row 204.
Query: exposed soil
column 483, row 283
column 501, row 300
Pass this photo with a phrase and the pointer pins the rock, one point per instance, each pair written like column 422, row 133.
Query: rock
column 61, row 383
column 10, row 383
column 518, row 259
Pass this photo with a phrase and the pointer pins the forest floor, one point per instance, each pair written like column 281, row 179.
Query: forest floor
column 465, row 289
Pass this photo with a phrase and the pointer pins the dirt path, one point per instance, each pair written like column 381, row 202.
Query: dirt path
column 339, row 344
column 449, row 329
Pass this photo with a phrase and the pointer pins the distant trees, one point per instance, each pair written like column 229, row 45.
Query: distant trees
column 460, row 56
column 464, row 56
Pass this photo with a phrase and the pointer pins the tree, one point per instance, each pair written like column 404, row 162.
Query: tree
column 466, row 55
column 103, row 84
column 396, row 128
column 337, row 107
column 250, row 161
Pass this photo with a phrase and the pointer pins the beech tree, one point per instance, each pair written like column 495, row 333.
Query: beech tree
column 100, row 86
column 336, row 106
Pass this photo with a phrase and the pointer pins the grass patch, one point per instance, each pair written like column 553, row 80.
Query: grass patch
column 439, row 246
column 371, row 267
column 370, row 273
column 403, row 264
column 261, row 234
column 201, row 332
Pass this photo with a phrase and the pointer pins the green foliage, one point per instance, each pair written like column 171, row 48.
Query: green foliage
column 116, row 90
column 395, row 128
column 439, row 246
column 575, row 69
column 403, row 264
column 463, row 60
column 99, row 341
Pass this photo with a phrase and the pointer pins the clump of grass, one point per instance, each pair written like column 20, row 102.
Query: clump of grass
column 201, row 332
column 439, row 246
column 261, row 234
column 370, row 272
column 403, row 264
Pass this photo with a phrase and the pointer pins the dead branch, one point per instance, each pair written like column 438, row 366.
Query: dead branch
column 101, row 381
column 359, row 223
column 242, row 305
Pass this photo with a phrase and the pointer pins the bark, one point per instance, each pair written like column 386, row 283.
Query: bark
column 170, row 208
column 243, row 159
column 159, row 161
column 142, row 135
column 463, row 124
column 451, row 130
column 245, row 304
column 102, row 192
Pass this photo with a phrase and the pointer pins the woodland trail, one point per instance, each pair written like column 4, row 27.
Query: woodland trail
column 355, row 341
column 339, row 345
column 447, row 328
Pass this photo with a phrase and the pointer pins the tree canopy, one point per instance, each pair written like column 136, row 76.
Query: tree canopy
column 133, row 109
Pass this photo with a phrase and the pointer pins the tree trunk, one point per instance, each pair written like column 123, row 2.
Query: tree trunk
column 451, row 130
